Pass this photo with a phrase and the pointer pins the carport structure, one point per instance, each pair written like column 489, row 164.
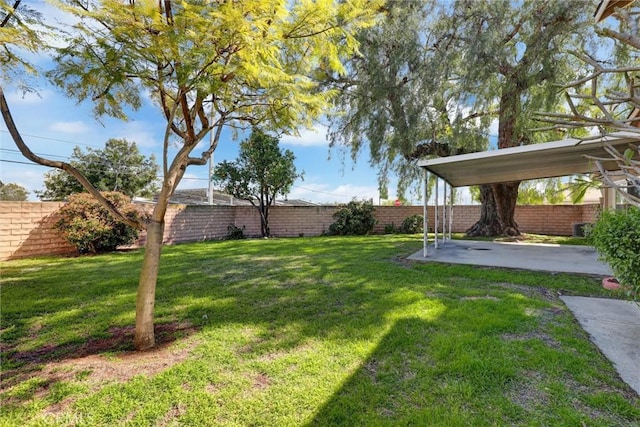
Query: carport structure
column 546, row 160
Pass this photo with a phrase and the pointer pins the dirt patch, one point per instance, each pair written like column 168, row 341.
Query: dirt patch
column 172, row 415
column 99, row 361
column 537, row 335
column 528, row 393
column 371, row 369
column 531, row 291
column 119, row 340
column 261, row 381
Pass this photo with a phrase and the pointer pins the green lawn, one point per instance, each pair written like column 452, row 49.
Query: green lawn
column 310, row 331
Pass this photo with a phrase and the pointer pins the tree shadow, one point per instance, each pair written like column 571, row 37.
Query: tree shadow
column 391, row 380
column 78, row 306
column 119, row 340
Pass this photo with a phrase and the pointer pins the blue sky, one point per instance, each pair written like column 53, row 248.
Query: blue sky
column 52, row 125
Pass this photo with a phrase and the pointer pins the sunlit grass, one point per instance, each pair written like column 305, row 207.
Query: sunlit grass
column 309, row 331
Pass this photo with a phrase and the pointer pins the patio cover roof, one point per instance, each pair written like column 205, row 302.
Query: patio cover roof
column 545, row 160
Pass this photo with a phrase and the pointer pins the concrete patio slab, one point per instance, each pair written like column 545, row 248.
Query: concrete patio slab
column 614, row 326
column 528, row 256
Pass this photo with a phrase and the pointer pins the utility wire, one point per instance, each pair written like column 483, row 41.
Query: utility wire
column 36, row 164
column 323, row 192
column 53, row 139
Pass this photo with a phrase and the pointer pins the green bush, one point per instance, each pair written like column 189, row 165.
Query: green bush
column 354, row 218
column 412, row 224
column 616, row 237
column 391, row 229
column 235, row 233
column 90, row 227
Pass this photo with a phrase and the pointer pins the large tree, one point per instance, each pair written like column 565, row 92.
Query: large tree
column 607, row 98
column 118, row 167
column 260, row 173
column 393, row 102
column 207, row 65
column 438, row 72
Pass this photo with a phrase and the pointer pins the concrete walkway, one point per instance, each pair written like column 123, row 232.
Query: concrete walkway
column 613, row 325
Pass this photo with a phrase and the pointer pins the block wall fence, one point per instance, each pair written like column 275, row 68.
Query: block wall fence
column 27, row 229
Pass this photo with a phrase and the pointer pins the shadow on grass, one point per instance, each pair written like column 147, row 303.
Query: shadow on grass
column 388, row 384
column 277, row 295
column 62, row 309
column 432, row 372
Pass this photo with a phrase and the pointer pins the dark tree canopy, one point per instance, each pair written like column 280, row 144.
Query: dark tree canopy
column 118, row 167
column 394, row 102
column 261, row 173
column 434, row 75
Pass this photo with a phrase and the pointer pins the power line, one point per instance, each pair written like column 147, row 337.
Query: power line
column 323, row 192
column 20, row 163
column 131, row 173
column 9, row 150
column 53, row 139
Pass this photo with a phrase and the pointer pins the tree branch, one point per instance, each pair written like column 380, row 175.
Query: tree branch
column 26, row 152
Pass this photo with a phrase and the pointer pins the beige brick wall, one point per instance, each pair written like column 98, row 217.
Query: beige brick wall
column 27, row 228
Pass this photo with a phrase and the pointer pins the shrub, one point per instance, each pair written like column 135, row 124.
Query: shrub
column 235, row 233
column 354, row 218
column 90, row 227
column 391, row 229
column 616, row 237
column 412, row 224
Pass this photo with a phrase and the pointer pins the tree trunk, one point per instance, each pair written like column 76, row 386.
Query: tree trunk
column 497, row 211
column 144, row 337
column 266, row 232
column 499, row 200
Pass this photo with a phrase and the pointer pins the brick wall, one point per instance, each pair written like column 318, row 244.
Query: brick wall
column 192, row 223
column 27, row 228
column 553, row 220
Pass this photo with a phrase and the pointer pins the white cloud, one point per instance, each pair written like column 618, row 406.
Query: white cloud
column 28, row 98
column 315, row 137
column 140, row 133
column 74, row 127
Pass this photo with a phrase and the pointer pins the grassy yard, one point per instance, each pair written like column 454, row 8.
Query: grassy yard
column 309, row 331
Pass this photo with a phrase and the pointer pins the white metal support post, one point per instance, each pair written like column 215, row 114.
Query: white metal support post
column 450, row 210
column 435, row 222
column 444, row 211
column 425, row 219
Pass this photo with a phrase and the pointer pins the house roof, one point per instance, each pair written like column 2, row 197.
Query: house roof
column 545, row 160
column 199, row 196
